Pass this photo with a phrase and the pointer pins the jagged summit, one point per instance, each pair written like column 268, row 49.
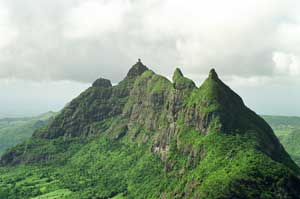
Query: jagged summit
column 177, row 74
column 148, row 137
column 137, row 69
column 214, row 89
column 213, row 74
column 181, row 82
column 216, row 101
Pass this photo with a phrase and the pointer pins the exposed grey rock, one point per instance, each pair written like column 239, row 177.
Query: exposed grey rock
column 136, row 70
column 101, row 82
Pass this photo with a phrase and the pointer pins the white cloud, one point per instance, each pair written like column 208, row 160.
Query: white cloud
column 227, row 34
column 253, row 44
column 93, row 18
column 8, row 32
column 286, row 64
column 83, row 39
column 253, row 81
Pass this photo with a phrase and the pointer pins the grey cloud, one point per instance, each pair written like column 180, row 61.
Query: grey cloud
column 64, row 40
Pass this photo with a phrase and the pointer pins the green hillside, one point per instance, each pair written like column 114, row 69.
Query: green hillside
column 148, row 137
column 288, row 131
column 16, row 130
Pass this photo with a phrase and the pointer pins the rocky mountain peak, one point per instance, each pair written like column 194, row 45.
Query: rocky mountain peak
column 181, row 82
column 177, row 74
column 101, row 82
column 213, row 74
column 208, row 143
column 137, row 69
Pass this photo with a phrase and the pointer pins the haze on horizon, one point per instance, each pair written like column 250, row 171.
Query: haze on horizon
column 52, row 50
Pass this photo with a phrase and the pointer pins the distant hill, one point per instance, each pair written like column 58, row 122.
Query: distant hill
column 282, row 122
column 15, row 130
column 287, row 130
column 151, row 138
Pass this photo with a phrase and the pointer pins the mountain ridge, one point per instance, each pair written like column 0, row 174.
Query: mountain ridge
column 155, row 138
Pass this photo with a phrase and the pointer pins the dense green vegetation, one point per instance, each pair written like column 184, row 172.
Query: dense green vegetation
column 287, row 130
column 105, row 168
column 16, row 130
column 148, row 137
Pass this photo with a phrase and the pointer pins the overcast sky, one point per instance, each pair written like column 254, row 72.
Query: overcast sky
column 51, row 50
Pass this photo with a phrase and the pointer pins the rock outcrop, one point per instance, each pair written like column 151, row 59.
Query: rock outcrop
column 105, row 83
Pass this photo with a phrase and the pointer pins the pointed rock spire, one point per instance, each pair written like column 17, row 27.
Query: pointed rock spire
column 213, row 74
column 177, row 74
column 137, row 69
column 181, row 82
column 216, row 88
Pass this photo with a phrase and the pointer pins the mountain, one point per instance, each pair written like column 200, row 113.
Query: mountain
column 16, row 130
column 283, row 122
column 148, row 137
column 287, row 129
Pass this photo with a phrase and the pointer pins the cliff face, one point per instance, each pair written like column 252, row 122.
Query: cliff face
column 155, row 103
column 188, row 128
